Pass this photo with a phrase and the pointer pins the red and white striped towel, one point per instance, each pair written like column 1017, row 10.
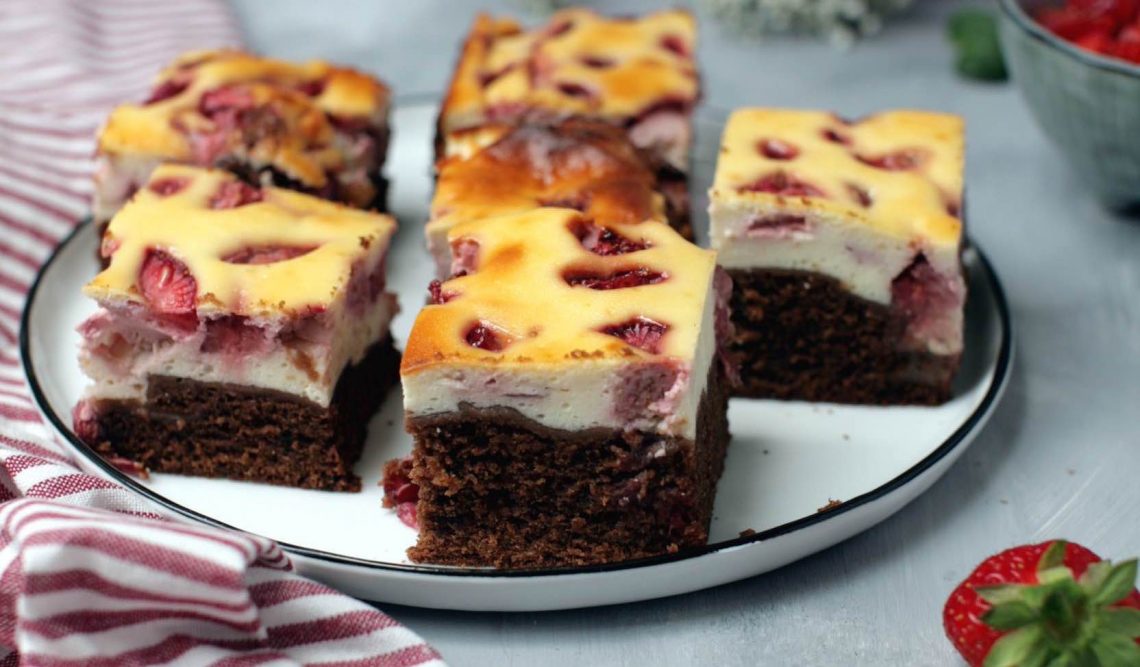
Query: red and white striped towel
column 89, row 573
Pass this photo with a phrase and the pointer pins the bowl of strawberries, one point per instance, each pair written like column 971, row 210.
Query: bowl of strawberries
column 1077, row 63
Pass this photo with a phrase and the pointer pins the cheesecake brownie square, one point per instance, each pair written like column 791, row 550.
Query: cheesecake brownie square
column 579, row 164
column 311, row 127
column 843, row 240
column 637, row 73
column 566, row 395
column 242, row 332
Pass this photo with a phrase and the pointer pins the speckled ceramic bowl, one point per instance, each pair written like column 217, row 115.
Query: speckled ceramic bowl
column 1087, row 104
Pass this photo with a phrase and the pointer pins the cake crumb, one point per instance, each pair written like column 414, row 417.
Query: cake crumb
column 846, row 437
column 831, row 504
column 748, row 532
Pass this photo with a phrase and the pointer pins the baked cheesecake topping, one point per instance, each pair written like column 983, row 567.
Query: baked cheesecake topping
column 618, row 69
column 304, row 121
column 215, row 246
column 583, row 165
column 898, row 172
column 540, row 296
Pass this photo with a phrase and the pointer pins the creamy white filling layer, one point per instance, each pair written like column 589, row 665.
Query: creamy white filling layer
column 121, row 350
column 655, row 395
column 865, row 261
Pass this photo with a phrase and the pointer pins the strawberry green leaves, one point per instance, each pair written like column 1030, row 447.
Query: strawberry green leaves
column 973, row 33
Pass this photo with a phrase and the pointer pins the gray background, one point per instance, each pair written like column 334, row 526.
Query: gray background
column 1059, row 458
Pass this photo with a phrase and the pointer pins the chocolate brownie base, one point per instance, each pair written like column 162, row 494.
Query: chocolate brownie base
column 674, row 188
column 245, row 433
column 800, row 335
column 498, row 489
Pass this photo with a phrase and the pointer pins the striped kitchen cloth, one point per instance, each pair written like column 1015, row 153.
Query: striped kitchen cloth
column 90, row 574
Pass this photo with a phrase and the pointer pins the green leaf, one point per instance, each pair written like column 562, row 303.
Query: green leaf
column 1093, row 578
column 1121, row 620
column 1010, row 616
column 1115, row 651
column 1021, row 648
column 1001, row 593
column 1118, row 584
column 973, row 33
column 1054, row 574
column 1054, row 556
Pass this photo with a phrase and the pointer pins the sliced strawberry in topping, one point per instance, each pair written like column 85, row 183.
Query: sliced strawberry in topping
column 312, row 88
column 903, row 160
column 603, row 240
column 232, row 194
column 167, row 285
column 436, row 295
column 486, row 337
column 164, row 187
column 775, row 149
column 675, row 44
column 266, row 254
column 223, row 99
column 778, row 222
column 168, row 89
column 616, row 280
column 639, row 332
column 860, row 194
column 836, row 137
column 598, row 62
column 573, row 89
column 782, row 183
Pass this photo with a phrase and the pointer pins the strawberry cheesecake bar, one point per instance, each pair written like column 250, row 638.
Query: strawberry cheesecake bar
column 565, row 394
column 638, row 74
column 242, row 332
column 583, row 165
column 310, row 127
column 843, row 240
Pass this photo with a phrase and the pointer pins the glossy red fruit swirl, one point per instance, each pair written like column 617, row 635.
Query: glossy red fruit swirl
column 776, row 149
column 164, row 187
column 166, row 284
column 904, row 160
column 232, row 194
column 603, row 240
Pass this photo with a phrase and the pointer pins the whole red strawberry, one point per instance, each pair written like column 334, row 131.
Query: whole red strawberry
column 1051, row 604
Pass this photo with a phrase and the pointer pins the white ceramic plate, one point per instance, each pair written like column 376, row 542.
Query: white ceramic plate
column 787, row 460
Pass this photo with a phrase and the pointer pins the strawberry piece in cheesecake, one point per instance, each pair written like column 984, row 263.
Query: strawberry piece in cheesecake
column 311, row 127
column 242, row 332
column 550, row 365
column 843, row 242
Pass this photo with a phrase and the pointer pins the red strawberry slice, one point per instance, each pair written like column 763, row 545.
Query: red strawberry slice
column 266, row 254
column 486, row 337
column 232, row 194
column 640, row 332
column 782, row 183
column 902, row 160
column 860, row 194
column 675, row 44
column 164, row 187
column 603, row 240
column 776, row 149
column 1053, row 603
column 598, row 62
column 615, row 280
column 836, row 137
column 168, row 89
column 436, row 295
column 166, row 284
